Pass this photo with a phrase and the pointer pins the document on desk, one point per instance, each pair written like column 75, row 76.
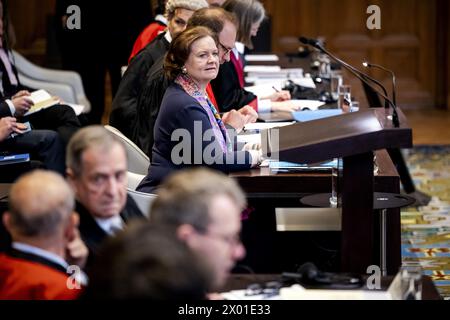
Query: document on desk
column 261, row 57
column 278, row 81
column 308, row 105
column 240, row 295
column 249, row 138
column 257, row 126
column 306, row 82
column 262, row 68
column 297, row 292
column 265, row 89
column 274, row 72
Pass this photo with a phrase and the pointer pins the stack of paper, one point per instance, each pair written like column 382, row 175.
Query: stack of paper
column 262, row 69
column 279, row 82
column 257, row 126
column 261, row 57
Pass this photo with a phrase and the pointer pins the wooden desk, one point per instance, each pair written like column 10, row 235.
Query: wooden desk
column 241, row 281
column 285, row 189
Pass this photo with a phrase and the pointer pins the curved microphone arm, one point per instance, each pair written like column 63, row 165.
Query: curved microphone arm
column 367, row 64
column 357, row 73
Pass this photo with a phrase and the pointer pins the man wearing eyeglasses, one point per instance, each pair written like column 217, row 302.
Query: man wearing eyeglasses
column 204, row 208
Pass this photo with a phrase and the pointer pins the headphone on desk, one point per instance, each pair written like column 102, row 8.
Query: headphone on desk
column 309, row 275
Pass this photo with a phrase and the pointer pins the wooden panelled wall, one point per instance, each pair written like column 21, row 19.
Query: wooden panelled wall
column 29, row 18
column 407, row 42
column 413, row 41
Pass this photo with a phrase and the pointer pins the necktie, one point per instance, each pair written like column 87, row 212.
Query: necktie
column 12, row 77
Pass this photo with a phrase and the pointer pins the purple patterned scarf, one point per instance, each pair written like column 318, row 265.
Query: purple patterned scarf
column 192, row 89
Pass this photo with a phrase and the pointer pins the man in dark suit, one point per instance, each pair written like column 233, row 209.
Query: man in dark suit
column 15, row 100
column 124, row 108
column 42, row 145
column 97, row 171
column 45, row 240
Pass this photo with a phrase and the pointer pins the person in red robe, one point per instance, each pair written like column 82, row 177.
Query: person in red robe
column 46, row 255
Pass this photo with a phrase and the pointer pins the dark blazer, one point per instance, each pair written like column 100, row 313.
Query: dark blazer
column 180, row 111
column 93, row 235
column 149, row 102
column 124, row 107
column 4, row 110
column 8, row 89
column 227, row 90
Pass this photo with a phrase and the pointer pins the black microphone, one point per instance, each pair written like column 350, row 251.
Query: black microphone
column 370, row 65
column 312, row 42
column 357, row 73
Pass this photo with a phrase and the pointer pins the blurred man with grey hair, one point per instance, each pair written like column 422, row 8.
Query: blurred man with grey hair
column 97, row 170
column 204, row 207
column 45, row 240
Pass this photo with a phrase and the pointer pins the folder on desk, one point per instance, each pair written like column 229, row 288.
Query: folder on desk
column 284, row 166
column 14, row 158
column 302, row 116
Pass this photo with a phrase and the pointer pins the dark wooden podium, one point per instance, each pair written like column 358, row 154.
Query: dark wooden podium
column 353, row 137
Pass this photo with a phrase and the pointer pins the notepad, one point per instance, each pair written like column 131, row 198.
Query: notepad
column 284, row 166
column 262, row 125
column 42, row 100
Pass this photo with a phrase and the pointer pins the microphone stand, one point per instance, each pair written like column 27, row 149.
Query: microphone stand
column 367, row 64
column 357, row 73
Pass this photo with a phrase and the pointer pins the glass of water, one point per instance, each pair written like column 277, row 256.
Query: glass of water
column 411, row 282
column 335, row 199
column 336, row 80
column 345, row 98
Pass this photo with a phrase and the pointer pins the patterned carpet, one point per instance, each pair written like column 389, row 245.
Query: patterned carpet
column 426, row 230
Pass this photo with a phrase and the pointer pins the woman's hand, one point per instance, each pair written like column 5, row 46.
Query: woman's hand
column 250, row 114
column 282, row 95
column 286, row 106
column 235, row 119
